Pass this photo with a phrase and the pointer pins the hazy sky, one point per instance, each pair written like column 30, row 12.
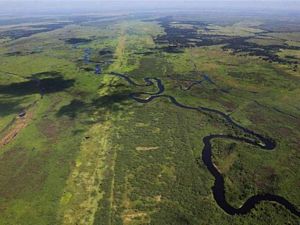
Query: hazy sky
column 65, row 6
column 146, row 0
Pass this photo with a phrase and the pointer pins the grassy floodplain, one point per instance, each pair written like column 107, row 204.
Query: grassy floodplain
column 85, row 153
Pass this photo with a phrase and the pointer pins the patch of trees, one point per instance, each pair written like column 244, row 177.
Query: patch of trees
column 176, row 38
column 75, row 41
column 105, row 51
column 268, row 53
column 21, row 33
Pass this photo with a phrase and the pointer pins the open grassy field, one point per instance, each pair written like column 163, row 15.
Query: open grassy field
column 85, row 153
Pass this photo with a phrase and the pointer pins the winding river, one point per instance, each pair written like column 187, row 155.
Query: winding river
column 218, row 189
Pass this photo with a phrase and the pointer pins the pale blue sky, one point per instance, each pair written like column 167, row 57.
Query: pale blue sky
column 31, row 6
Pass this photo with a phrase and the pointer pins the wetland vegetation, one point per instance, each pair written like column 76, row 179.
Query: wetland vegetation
column 150, row 119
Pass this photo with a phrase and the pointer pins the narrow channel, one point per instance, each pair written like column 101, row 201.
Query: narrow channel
column 218, row 189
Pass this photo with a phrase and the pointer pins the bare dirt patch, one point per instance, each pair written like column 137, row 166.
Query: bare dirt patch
column 146, row 148
column 19, row 124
